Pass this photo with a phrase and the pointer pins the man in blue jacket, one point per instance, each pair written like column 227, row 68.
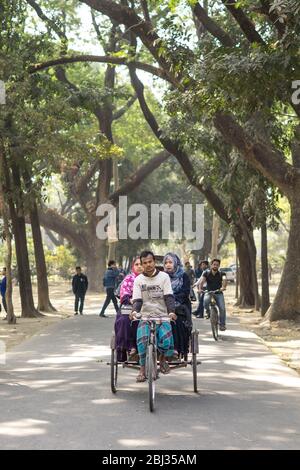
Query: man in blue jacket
column 3, row 289
column 109, row 282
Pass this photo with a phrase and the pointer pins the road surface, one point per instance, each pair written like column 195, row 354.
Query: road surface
column 55, row 394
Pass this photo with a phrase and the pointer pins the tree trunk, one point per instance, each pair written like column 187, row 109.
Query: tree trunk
column 237, row 276
column 265, row 295
column 247, row 274
column 25, row 286
column 286, row 305
column 252, row 251
column 215, row 236
column 44, row 304
column 19, row 231
column 11, row 318
column 96, row 264
column 112, row 251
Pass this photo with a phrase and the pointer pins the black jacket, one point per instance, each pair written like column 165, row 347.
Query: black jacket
column 80, row 284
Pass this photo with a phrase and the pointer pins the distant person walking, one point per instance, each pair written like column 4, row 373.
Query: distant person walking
column 203, row 266
column 3, row 290
column 191, row 274
column 109, row 282
column 79, row 286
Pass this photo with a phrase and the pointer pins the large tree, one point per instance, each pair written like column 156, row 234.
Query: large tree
column 91, row 185
column 252, row 51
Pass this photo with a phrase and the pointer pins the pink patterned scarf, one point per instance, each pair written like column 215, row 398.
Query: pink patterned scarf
column 127, row 284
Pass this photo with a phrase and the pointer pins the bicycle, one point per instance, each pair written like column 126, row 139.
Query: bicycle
column 214, row 313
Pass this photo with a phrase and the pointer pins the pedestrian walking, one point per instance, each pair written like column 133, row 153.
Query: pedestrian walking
column 79, row 286
column 109, row 282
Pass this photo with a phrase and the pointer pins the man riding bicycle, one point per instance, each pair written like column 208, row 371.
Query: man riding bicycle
column 153, row 299
column 215, row 280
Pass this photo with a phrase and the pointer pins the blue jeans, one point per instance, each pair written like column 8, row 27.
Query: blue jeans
column 200, row 308
column 220, row 303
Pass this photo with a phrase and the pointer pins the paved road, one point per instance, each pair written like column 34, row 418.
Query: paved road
column 55, row 394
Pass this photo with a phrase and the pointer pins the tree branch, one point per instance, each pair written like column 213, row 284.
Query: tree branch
column 81, row 182
column 118, row 114
column 283, row 224
column 273, row 17
column 49, row 22
column 141, row 28
column 138, row 177
column 223, row 239
column 245, row 23
column 100, row 59
column 295, row 147
column 144, row 5
column 97, row 29
column 52, row 237
column 52, row 220
column 174, row 148
column 264, row 158
column 212, row 27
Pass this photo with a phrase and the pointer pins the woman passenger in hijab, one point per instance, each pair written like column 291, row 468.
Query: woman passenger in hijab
column 181, row 288
column 125, row 330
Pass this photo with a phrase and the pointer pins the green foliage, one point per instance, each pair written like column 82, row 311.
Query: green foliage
column 61, row 261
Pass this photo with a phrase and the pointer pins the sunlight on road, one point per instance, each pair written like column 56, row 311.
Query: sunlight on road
column 135, row 443
column 87, row 354
column 108, row 401
column 22, row 428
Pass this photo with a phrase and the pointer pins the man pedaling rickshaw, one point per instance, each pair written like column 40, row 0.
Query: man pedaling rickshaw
column 153, row 299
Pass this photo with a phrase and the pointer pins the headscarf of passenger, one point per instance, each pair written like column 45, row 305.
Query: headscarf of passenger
column 127, row 283
column 176, row 275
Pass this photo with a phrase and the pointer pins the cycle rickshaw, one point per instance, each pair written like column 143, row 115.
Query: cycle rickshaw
column 152, row 364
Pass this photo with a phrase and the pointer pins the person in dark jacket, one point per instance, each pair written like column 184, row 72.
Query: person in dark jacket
column 191, row 274
column 79, row 286
column 3, row 289
column 181, row 289
column 109, row 282
column 203, row 265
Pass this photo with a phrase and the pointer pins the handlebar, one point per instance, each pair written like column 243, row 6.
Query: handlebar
column 156, row 320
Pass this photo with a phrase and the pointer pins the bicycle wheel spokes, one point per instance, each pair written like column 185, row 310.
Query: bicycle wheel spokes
column 150, row 373
column 195, row 348
column 113, row 371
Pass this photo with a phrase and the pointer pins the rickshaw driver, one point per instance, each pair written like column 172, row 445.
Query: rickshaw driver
column 153, row 299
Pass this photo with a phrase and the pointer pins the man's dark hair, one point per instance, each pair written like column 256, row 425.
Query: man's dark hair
column 216, row 259
column 187, row 262
column 204, row 261
column 4, row 269
column 146, row 253
column 78, row 267
column 111, row 263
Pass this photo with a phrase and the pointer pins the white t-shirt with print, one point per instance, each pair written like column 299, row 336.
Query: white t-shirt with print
column 152, row 291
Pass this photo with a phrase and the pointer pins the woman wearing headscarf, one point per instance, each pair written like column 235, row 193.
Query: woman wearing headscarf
column 125, row 331
column 181, row 286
